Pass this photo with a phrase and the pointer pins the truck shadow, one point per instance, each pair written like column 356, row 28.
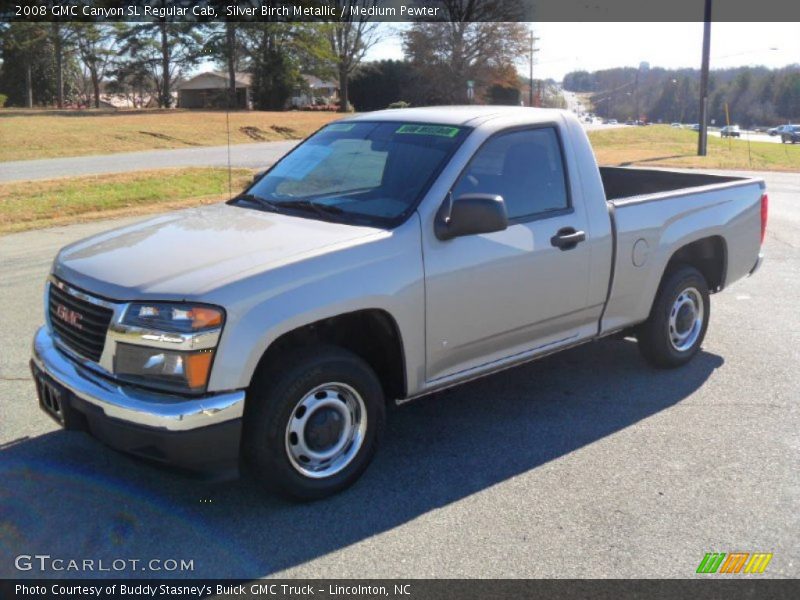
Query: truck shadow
column 66, row 495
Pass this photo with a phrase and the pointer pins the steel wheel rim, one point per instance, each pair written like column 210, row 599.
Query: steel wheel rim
column 335, row 402
column 686, row 319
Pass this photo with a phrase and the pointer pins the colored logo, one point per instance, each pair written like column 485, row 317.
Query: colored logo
column 734, row 562
column 69, row 316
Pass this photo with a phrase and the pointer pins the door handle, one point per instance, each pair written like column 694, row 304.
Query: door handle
column 567, row 238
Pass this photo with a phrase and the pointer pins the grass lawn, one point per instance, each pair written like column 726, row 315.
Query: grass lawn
column 35, row 204
column 32, row 134
column 663, row 146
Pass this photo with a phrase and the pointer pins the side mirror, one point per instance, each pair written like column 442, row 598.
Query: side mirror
column 258, row 176
column 470, row 214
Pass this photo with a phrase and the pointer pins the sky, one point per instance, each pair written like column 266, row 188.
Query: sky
column 565, row 47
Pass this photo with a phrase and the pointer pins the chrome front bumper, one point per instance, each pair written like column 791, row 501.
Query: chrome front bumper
column 132, row 405
column 757, row 266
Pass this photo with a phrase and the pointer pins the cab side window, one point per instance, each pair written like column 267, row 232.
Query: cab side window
column 524, row 167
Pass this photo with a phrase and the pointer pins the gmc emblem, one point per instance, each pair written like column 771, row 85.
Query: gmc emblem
column 69, row 316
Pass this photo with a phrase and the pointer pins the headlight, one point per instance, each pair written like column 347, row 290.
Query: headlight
column 178, row 318
column 167, row 345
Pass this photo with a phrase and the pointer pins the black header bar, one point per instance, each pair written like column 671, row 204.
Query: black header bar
column 399, row 10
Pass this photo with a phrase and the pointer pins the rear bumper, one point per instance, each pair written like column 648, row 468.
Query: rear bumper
column 201, row 435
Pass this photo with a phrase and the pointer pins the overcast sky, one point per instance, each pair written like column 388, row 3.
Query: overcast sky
column 565, row 47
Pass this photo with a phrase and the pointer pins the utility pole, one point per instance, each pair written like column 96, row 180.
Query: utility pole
column 530, row 73
column 702, row 140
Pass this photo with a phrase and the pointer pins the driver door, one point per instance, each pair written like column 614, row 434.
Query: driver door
column 493, row 296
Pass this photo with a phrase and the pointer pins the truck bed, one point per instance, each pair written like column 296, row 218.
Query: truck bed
column 622, row 183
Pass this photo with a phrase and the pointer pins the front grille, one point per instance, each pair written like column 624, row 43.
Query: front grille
column 79, row 324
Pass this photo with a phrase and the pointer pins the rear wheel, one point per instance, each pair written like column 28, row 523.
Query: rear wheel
column 313, row 422
column 678, row 321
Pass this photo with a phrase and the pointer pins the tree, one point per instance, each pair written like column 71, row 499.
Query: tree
column 350, row 37
column 788, row 97
column 133, row 80
column 753, row 95
column 226, row 46
column 479, row 40
column 61, row 39
column 95, row 45
column 27, row 67
column 277, row 55
column 376, row 85
column 164, row 49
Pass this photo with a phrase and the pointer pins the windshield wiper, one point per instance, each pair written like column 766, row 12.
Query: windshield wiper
column 271, row 206
column 323, row 210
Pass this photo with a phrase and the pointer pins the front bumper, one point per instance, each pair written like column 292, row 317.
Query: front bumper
column 757, row 266
column 198, row 434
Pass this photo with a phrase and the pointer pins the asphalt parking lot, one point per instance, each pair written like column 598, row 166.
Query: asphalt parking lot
column 584, row 464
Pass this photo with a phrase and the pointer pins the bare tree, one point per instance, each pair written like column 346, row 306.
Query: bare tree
column 478, row 42
column 350, row 37
column 225, row 44
column 164, row 48
column 95, row 43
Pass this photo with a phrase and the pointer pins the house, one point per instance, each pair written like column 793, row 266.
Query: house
column 317, row 91
column 210, row 90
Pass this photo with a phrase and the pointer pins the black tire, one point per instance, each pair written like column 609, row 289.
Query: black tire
column 273, row 398
column 654, row 335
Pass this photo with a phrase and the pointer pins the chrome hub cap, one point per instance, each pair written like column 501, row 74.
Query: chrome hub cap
column 686, row 319
column 326, row 430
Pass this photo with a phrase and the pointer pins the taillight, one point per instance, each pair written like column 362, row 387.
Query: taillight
column 764, row 211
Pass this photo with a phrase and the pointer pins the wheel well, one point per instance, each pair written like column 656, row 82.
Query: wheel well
column 371, row 334
column 708, row 256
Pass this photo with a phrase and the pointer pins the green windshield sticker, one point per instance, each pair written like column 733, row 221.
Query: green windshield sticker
column 439, row 130
column 339, row 127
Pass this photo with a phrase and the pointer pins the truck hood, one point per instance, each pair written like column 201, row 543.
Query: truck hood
column 189, row 252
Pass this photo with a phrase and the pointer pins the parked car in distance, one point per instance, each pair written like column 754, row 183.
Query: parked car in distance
column 730, row 131
column 613, row 122
column 695, row 127
column 389, row 256
column 675, row 125
column 790, row 134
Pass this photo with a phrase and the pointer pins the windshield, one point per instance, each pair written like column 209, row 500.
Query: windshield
column 361, row 171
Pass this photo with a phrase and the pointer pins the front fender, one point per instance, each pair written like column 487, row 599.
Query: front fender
column 384, row 273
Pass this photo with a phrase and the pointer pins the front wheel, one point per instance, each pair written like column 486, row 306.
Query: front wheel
column 678, row 321
column 313, row 422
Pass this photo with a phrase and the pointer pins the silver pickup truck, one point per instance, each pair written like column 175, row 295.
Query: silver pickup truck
column 390, row 255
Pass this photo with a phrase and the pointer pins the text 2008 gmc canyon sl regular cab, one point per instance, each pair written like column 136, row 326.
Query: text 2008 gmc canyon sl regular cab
column 390, row 255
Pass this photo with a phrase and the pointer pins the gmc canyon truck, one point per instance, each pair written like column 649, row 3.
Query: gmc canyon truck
column 390, row 255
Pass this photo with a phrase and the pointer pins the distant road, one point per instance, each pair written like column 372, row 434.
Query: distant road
column 242, row 155
column 251, row 156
